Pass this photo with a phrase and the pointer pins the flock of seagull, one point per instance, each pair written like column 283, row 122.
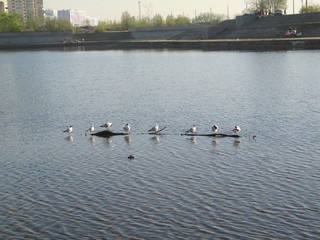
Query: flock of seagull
column 214, row 129
column 154, row 129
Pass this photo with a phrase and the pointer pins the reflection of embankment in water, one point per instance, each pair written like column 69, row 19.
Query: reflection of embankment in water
column 74, row 48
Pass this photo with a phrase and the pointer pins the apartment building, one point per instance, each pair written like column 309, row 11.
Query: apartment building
column 3, row 5
column 75, row 17
column 26, row 8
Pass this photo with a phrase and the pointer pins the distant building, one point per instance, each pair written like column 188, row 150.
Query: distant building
column 26, row 8
column 92, row 21
column 75, row 17
column 51, row 13
column 3, row 5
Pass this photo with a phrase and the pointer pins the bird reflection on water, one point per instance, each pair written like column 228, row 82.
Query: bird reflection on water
column 155, row 139
column 108, row 142
column 69, row 139
column 128, row 140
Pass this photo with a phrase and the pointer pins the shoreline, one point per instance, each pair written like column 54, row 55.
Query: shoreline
column 274, row 44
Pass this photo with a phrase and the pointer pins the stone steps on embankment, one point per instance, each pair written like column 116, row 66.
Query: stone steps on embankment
column 286, row 20
column 274, row 27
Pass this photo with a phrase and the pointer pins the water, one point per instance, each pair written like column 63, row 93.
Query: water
column 55, row 186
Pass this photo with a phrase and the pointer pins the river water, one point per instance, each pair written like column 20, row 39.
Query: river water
column 56, row 186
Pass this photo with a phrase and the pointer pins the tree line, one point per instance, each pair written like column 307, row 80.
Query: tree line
column 127, row 21
column 15, row 23
column 278, row 5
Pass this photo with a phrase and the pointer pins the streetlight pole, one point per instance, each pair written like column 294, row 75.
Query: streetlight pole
column 228, row 12
column 293, row 5
column 306, row 5
column 139, row 11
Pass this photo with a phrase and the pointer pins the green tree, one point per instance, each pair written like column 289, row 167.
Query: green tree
column 33, row 24
column 170, row 20
column 102, row 27
column 53, row 24
column 311, row 8
column 157, row 20
column 10, row 23
column 127, row 21
column 112, row 25
column 182, row 20
column 208, row 18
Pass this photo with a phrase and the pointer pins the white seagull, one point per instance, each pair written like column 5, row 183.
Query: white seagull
column 154, row 129
column 68, row 130
column 236, row 129
column 193, row 129
column 107, row 124
column 127, row 127
column 91, row 129
column 215, row 128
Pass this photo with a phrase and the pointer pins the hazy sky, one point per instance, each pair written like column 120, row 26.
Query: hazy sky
column 112, row 9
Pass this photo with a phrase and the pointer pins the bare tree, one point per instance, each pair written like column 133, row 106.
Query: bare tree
column 267, row 4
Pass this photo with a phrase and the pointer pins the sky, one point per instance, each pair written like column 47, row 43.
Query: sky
column 112, row 9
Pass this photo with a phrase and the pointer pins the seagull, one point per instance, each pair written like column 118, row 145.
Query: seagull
column 236, row 129
column 154, row 129
column 107, row 124
column 192, row 130
column 127, row 127
column 69, row 130
column 215, row 128
column 91, row 129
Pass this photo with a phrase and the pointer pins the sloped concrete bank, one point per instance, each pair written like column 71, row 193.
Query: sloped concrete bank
column 33, row 38
column 280, row 44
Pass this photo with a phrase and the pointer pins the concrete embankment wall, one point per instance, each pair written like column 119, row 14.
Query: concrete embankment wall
column 171, row 33
column 29, row 38
column 243, row 27
column 107, row 36
column 249, row 26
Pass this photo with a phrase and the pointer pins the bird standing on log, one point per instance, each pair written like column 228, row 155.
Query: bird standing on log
column 154, row 129
column 127, row 127
column 215, row 128
column 193, row 129
column 107, row 125
column 236, row 129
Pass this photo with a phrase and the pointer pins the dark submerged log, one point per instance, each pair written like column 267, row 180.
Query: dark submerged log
column 155, row 133
column 221, row 135
column 108, row 133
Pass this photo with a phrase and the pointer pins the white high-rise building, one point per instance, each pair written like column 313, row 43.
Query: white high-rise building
column 3, row 6
column 26, row 8
column 51, row 13
column 75, row 17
